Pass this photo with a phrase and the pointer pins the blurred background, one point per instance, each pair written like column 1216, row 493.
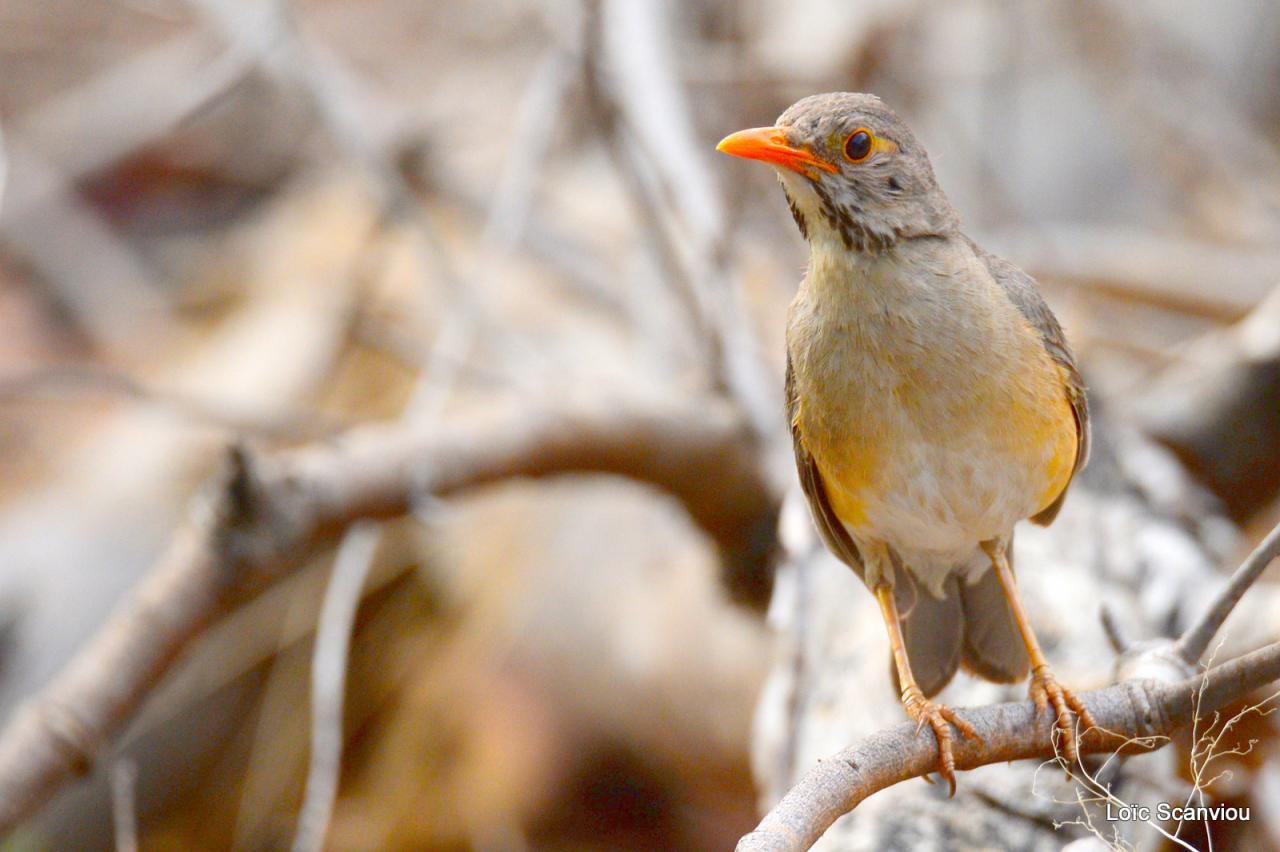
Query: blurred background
column 269, row 222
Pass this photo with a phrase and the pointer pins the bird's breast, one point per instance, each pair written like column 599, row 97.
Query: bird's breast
column 931, row 407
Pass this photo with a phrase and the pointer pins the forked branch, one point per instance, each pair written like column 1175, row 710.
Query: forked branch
column 1131, row 716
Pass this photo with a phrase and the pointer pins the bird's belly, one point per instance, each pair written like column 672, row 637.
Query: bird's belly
column 939, row 467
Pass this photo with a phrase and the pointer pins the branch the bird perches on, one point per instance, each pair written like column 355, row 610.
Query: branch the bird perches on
column 1132, row 716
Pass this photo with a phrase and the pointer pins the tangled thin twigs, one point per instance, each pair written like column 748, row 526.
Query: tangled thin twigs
column 261, row 520
column 1127, row 714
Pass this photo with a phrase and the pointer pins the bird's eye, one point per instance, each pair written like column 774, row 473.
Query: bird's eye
column 858, row 146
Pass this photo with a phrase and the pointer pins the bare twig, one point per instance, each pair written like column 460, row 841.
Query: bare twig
column 1145, row 267
column 659, row 117
column 124, row 816
column 329, row 680
column 130, row 104
column 647, row 119
column 1128, row 714
column 105, row 284
column 1116, row 636
column 88, row 379
column 508, row 214
column 1196, row 639
column 264, row 516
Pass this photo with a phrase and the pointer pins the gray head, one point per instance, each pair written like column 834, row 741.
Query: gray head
column 852, row 171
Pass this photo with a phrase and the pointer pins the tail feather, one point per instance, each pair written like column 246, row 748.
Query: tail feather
column 993, row 647
column 972, row 626
column 933, row 630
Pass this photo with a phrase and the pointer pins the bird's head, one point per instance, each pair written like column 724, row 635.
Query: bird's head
column 852, row 171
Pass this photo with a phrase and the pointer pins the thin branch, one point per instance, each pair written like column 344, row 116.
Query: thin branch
column 1129, row 715
column 508, row 214
column 131, row 103
column 87, row 379
column 263, row 516
column 329, row 681
column 124, row 817
column 1116, row 635
column 1196, row 639
column 630, row 91
column 1145, row 267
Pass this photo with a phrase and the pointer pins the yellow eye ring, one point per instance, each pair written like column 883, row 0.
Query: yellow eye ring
column 858, row 145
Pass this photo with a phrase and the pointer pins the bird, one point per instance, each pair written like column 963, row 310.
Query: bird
column 933, row 400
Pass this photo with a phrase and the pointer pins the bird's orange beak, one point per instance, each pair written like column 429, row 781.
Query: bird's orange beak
column 770, row 145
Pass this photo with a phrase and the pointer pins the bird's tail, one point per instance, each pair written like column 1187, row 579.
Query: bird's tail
column 993, row 646
column 933, row 630
column 970, row 625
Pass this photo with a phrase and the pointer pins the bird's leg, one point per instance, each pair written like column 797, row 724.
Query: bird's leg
column 1044, row 687
column 919, row 708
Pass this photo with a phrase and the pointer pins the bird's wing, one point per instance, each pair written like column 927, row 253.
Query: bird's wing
column 829, row 526
column 1022, row 291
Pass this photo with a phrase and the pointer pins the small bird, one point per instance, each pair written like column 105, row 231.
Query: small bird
column 933, row 402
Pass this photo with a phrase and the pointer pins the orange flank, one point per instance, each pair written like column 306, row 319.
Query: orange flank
column 1062, row 464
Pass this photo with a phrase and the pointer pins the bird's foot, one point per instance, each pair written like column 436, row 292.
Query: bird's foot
column 940, row 718
column 1045, row 690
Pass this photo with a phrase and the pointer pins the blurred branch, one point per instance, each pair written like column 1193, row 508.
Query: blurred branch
column 106, row 284
column 645, row 114
column 1132, row 717
column 1218, row 409
column 393, row 339
column 329, row 681
column 1146, row 267
column 508, row 213
column 81, row 380
column 1195, row 641
column 1153, row 106
column 124, row 787
column 344, row 107
column 269, row 32
column 261, row 517
column 127, row 106
column 648, row 209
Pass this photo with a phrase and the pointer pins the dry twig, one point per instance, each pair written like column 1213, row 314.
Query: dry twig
column 1196, row 639
column 329, row 681
column 88, row 380
column 124, row 783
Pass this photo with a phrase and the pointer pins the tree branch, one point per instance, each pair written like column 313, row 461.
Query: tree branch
column 263, row 516
column 1131, row 713
column 1218, row 410
column 1193, row 643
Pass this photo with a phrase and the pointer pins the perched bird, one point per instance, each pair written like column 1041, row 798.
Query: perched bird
column 933, row 400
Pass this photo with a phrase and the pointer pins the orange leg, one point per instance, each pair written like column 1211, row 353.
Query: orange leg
column 1044, row 687
column 917, row 706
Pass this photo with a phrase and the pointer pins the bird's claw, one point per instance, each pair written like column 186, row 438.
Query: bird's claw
column 1045, row 691
column 941, row 719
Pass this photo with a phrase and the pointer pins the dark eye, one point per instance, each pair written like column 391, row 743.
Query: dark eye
column 858, row 146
